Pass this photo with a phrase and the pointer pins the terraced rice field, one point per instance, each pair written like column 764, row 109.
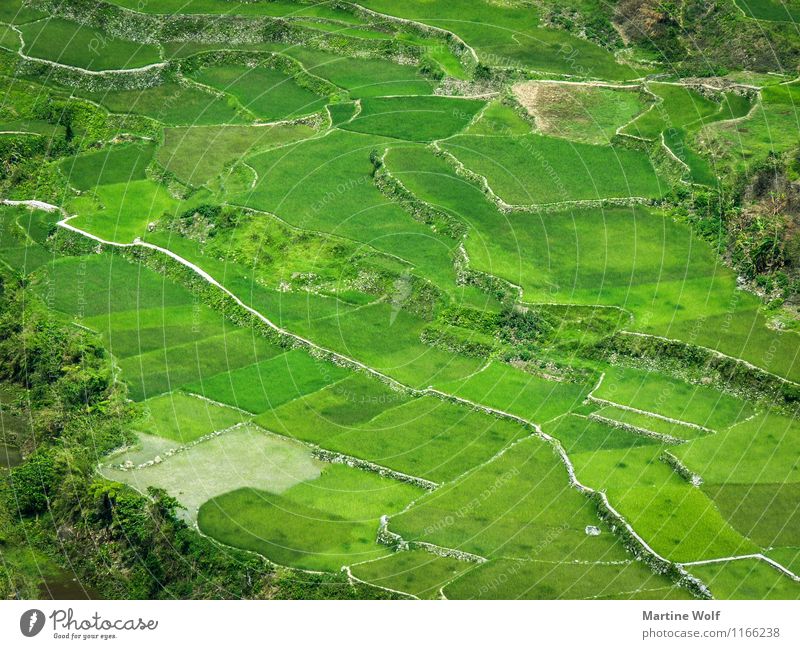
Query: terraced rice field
column 418, row 297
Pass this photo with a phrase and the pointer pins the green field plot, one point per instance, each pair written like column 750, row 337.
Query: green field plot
column 123, row 211
column 700, row 170
column 787, row 557
column 508, row 579
column 337, row 408
column 100, row 284
column 509, row 35
column 268, row 384
column 319, row 524
column 455, row 299
column 342, row 112
column 777, row 10
column 331, row 27
column 17, row 12
column 108, row 167
column 652, row 392
column 678, row 107
column 746, row 579
column 362, row 333
column 676, row 519
column 239, row 458
column 9, row 39
column 69, row 43
column 565, row 257
column 511, row 390
column 129, row 333
column 426, row 437
column 165, row 369
column 21, row 233
column 416, row 572
column 768, row 514
column 579, row 434
column 761, row 450
column 175, row 104
column 743, row 333
column 519, row 505
column 276, row 8
column 651, row 424
column 362, row 77
column 499, row 118
column 184, row 419
column 419, row 119
column 34, row 126
column 590, row 114
column 541, row 169
column 198, row 154
column 266, row 93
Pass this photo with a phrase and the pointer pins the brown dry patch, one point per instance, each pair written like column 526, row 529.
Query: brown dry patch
column 552, row 105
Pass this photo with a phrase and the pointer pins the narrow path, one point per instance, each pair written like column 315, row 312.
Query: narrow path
column 761, row 557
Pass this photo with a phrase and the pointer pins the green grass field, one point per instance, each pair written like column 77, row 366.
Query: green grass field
column 675, row 518
column 668, row 397
column 510, row 36
column 512, row 390
column 278, row 8
column 268, row 94
column 425, row 437
column 418, row 573
column 580, row 434
column 766, row 513
column 540, row 169
column 70, row 43
column 746, row 579
column 173, row 104
column 15, row 12
column 362, row 77
column 420, row 119
column 318, row 524
column 508, row 579
column 769, row 441
column 184, row 418
column 122, row 165
column 198, row 154
column 268, row 384
column 770, row 10
column 519, row 505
